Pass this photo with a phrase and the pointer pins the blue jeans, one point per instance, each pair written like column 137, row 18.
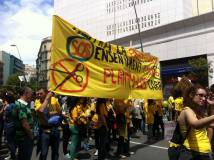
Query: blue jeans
column 25, row 149
column 10, row 137
column 50, row 139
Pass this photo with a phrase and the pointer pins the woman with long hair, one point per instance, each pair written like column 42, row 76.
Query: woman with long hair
column 193, row 123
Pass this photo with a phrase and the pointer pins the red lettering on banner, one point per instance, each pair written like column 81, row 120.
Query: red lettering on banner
column 121, row 77
column 112, row 76
column 107, row 74
column 81, row 49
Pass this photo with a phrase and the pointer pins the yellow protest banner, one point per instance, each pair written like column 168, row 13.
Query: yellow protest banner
column 84, row 66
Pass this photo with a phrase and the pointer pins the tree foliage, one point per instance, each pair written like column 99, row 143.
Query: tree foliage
column 13, row 84
column 200, row 69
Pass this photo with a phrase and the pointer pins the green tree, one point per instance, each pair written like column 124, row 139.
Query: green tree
column 13, row 80
column 200, row 70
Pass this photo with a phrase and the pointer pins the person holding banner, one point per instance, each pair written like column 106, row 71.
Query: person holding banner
column 49, row 111
column 192, row 124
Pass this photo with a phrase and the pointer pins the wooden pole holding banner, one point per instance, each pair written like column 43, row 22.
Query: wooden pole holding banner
column 137, row 20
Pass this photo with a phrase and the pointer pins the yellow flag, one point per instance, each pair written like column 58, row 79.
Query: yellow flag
column 84, row 66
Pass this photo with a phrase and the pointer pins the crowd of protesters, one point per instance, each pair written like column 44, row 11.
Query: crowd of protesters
column 40, row 117
column 27, row 117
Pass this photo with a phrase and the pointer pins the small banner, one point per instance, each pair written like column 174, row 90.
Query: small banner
column 84, row 66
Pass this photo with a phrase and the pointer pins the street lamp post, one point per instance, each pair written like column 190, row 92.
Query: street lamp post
column 138, row 24
column 14, row 45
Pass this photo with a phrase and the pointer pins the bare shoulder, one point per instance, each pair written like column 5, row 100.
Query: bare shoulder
column 185, row 113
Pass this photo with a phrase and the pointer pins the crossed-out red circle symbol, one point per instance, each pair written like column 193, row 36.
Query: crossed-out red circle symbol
column 75, row 76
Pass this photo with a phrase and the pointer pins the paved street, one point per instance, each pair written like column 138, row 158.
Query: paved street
column 143, row 151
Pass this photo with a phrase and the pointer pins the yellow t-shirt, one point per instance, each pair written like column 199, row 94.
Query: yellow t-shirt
column 149, row 113
column 197, row 140
column 171, row 102
column 53, row 107
column 103, row 110
column 179, row 103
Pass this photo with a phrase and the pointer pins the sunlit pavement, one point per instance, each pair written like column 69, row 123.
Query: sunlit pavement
column 153, row 150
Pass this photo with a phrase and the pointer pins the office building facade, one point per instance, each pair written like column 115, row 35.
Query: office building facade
column 111, row 19
column 1, row 72
column 43, row 62
column 175, row 31
column 11, row 65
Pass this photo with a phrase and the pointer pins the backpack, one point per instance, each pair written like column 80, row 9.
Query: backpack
column 179, row 139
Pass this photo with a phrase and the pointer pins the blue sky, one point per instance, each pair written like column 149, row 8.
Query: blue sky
column 25, row 23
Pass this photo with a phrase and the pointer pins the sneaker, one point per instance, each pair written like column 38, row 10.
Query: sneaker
column 7, row 158
column 131, row 153
column 67, row 156
column 122, row 156
column 96, row 153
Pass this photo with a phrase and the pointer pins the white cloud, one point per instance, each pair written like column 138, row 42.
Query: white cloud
column 25, row 24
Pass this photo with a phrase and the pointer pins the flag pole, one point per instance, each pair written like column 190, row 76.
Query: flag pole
column 137, row 21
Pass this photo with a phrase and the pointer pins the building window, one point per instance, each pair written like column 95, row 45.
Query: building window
column 151, row 23
column 151, row 16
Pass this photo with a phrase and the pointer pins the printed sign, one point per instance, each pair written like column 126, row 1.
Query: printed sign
column 84, row 66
